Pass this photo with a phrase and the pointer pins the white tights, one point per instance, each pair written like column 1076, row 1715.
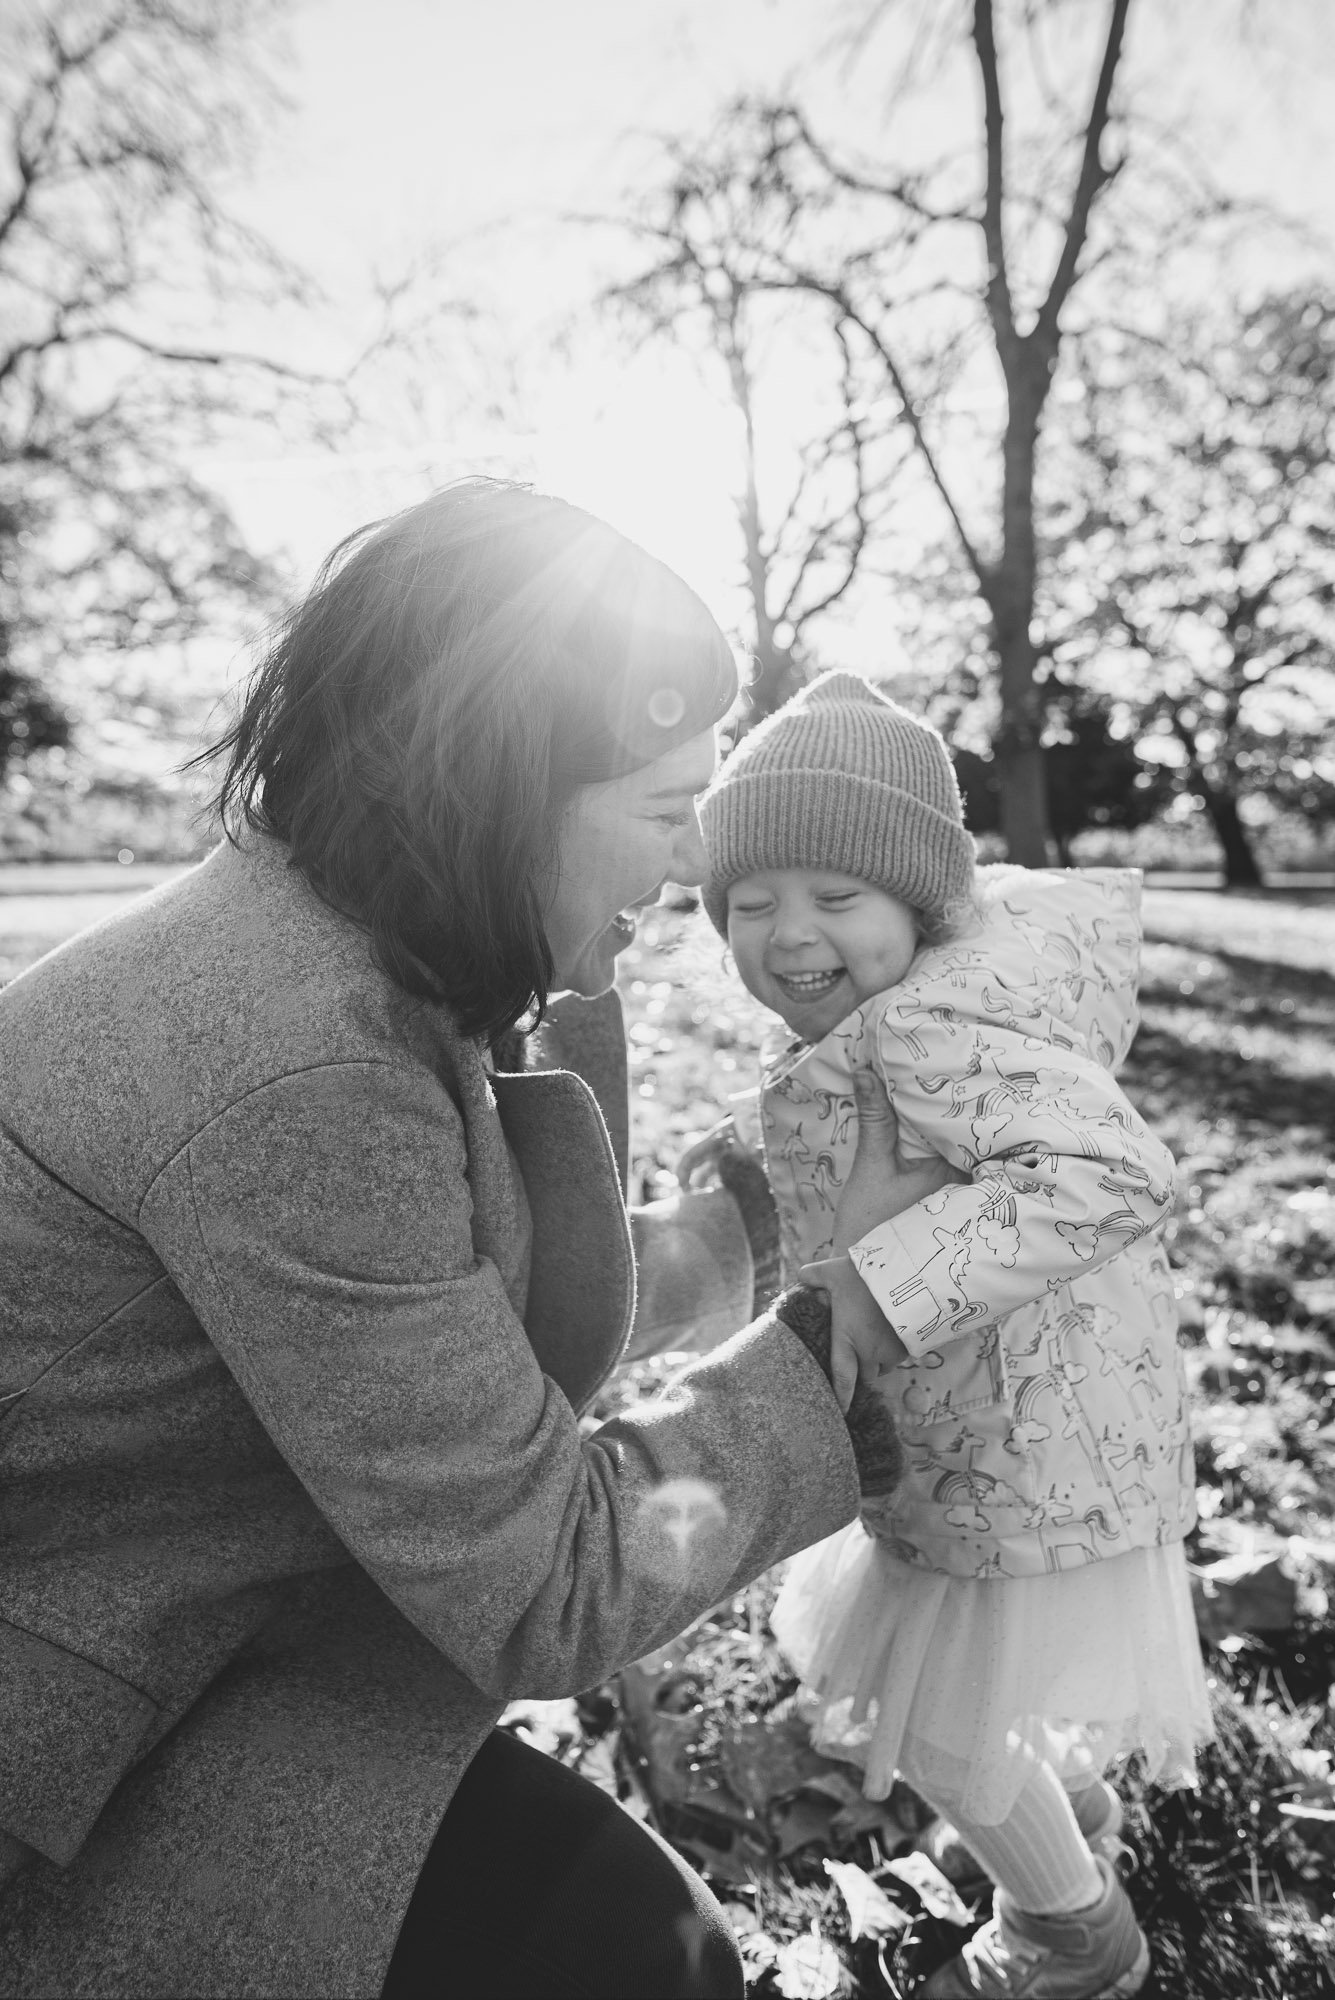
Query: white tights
column 1037, row 1853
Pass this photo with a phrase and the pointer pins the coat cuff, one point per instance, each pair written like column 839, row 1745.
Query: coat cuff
column 871, row 1428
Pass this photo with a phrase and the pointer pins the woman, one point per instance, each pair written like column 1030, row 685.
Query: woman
column 304, row 1295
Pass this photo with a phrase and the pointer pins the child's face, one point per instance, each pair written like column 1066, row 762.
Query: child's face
column 813, row 944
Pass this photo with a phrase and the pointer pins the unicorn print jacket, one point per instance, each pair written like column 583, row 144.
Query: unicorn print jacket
column 1043, row 1406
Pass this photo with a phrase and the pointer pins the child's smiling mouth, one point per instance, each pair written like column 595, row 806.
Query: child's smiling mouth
column 808, row 985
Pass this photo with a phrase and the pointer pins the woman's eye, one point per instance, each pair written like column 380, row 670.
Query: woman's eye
column 674, row 819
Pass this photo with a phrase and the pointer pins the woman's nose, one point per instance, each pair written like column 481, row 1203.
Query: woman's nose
column 690, row 863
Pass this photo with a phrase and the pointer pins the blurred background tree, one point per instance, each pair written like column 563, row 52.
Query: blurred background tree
column 1094, row 778
column 1196, row 574
column 720, row 236
column 882, row 327
column 945, row 282
column 123, row 123
column 908, row 327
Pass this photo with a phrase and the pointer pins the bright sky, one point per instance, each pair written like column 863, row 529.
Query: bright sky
column 426, row 122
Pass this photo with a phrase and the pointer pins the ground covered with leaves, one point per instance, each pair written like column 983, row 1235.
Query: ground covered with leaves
column 1233, row 1884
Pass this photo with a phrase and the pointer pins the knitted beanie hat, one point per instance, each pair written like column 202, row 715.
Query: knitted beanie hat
column 844, row 779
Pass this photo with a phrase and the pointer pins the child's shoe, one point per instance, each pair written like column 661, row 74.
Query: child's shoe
column 1095, row 1954
column 1098, row 1813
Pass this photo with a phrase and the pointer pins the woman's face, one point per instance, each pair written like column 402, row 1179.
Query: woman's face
column 619, row 843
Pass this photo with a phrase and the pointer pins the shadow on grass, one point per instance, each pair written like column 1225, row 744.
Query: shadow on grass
column 1252, row 978
column 1220, row 1083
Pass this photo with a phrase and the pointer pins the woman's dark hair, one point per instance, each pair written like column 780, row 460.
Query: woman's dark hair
column 423, row 717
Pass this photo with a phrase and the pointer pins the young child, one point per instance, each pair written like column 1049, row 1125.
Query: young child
column 1018, row 1614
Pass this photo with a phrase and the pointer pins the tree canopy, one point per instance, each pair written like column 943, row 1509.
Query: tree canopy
column 1194, row 550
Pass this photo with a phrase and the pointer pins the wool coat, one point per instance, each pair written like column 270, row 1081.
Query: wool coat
column 1043, row 1403
column 300, row 1307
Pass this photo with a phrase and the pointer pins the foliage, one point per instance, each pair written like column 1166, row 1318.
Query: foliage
column 1094, row 776
column 1194, row 550
column 28, row 721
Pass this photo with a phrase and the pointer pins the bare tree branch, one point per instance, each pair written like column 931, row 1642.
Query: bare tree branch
column 998, row 292
column 1093, row 175
column 839, row 298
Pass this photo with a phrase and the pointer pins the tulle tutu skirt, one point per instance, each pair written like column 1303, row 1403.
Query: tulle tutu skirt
column 961, row 1682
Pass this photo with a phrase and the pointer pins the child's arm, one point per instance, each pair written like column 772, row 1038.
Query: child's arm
column 1063, row 1175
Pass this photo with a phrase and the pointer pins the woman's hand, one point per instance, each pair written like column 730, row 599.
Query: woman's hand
column 702, row 1158
column 862, row 1340
column 880, row 1184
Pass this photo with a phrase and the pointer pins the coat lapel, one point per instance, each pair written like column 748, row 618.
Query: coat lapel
column 581, row 1291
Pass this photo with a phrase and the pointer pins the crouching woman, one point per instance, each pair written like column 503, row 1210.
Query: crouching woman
column 311, row 1264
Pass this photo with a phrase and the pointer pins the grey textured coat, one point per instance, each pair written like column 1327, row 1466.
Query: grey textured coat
column 293, row 1495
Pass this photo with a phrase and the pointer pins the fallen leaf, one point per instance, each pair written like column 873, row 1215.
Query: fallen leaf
column 758, row 1952
column 666, row 1740
column 834, row 1785
column 766, row 1759
column 870, row 1911
column 866, row 1816
column 1243, row 1593
column 547, row 1725
column 936, row 1895
column 757, row 1947
column 804, row 1820
column 599, row 1764
column 741, row 1861
column 808, row 1968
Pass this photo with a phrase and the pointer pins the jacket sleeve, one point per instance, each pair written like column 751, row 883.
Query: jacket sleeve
column 320, row 1230
column 1064, row 1174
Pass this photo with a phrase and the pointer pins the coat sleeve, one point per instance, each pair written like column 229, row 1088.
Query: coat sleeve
column 320, row 1230
column 1064, row 1174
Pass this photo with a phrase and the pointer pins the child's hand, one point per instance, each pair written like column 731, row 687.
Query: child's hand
column 862, row 1340
column 881, row 1182
column 703, row 1157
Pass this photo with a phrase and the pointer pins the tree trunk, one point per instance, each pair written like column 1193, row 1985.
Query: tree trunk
column 777, row 677
column 777, row 674
column 1021, row 777
column 1241, row 868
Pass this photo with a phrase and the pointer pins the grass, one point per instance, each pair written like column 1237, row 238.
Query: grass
column 1233, row 1884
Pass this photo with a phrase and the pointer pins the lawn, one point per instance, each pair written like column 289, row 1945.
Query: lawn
column 1234, row 1884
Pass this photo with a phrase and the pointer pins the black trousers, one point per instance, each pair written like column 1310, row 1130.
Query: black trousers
column 538, row 1886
